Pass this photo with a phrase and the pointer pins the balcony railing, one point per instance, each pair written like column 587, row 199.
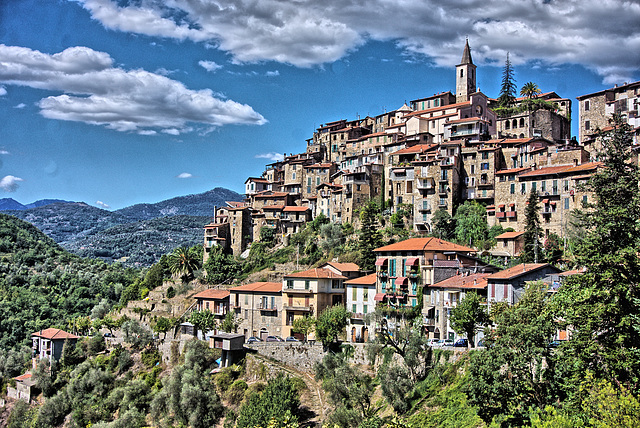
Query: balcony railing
column 512, row 214
column 501, row 214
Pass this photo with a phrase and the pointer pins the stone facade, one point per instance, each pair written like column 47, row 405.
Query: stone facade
column 257, row 306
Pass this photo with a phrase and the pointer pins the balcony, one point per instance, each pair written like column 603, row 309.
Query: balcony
column 501, row 214
column 512, row 214
column 298, row 308
column 425, row 184
column 424, row 208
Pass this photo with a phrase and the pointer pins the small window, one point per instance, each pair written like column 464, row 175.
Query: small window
column 289, row 284
column 513, row 188
column 587, row 125
column 587, row 105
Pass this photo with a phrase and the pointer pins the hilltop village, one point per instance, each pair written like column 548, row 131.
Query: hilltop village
column 433, row 154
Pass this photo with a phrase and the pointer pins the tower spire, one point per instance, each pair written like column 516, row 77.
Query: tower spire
column 466, row 54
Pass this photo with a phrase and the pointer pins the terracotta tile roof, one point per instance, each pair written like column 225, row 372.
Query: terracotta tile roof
column 518, row 270
column 319, row 165
column 585, row 167
column 212, row 293
column 425, row 244
column 257, row 180
column 509, row 235
column 345, row 267
column 261, row 287
column 434, row 109
column 54, row 333
column 511, row 171
column 270, row 194
column 469, row 119
column 317, row 273
column 295, row 208
column 473, row 281
column 363, row 280
column 23, row 377
column 418, row 148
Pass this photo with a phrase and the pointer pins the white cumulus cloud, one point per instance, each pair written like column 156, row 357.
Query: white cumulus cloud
column 102, row 205
column 9, row 183
column 272, row 156
column 3, row 152
column 599, row 34
column 273, row 73
column 95, row 92
column 3, row 91
column 210, row 66
column 184, row 175
column 20, row 106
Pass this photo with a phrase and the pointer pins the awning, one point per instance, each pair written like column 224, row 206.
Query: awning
column 379, row 297
column 545, row 201
column 381, row 262
column 552, row 202
column 512, row 205
column 501, row 206
column 402, row 280
column 412, row 261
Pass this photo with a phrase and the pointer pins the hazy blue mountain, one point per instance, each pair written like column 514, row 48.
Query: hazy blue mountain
column 10, row 204
column 127, row 234
column 43, row 202
column 195, row 205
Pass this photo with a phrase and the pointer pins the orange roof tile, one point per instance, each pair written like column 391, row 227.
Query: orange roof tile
column 425, row 244
column 509, row 235
column 212, row 293
column 295, row 208
column 469, row 119
column 262, row 287
column 54, row 333
column 318, row 273
column 517, row 270
column 434, row 109
column 345, row 267
column 418, row 148
column 511, row 171
column 363, row 280
column 473, row 281
column 23, row 377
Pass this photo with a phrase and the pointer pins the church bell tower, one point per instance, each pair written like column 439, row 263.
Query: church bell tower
column 465, row 76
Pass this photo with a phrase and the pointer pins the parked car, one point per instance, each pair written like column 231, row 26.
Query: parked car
column 254, row 339
column 291, row 339
column 448, row 342
column 432, row 342
column 274, row 339
column 461, row 343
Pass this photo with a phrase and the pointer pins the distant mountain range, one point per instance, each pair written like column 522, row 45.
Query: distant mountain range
column 131, row 234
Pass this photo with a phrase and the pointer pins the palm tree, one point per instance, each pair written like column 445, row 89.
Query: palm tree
column 530, row 90
column 184, row 261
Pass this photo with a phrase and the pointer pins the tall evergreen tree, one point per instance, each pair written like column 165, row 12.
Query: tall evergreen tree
column 532, row 230
column 508, row 87
column 601, row 305
column 369, row 238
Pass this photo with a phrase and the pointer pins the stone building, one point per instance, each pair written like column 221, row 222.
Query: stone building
column 360, row 293
column 445, row 295
column 597, row 108
column 258, row 306
column 509, row 285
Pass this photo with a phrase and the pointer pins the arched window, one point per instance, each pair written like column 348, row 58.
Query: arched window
column 515, row 123
column 507, row 124
column 522, row 122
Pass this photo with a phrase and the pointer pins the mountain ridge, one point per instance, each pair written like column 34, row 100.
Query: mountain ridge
column 82, row 228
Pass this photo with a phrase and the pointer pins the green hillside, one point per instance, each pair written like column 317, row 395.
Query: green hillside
column 43, row 285
column 141, row 243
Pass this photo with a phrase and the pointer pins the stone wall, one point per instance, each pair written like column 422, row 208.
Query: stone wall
column 301, row 356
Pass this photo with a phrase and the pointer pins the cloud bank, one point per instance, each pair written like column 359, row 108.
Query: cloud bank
column 97, row 93
column 599, row 34
column 9, row 183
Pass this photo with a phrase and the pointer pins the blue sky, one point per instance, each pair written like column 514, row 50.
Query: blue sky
column 121, row 102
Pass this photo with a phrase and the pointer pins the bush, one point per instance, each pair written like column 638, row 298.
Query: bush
column 151, row 357
column 235, row 393
column 171, row 292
